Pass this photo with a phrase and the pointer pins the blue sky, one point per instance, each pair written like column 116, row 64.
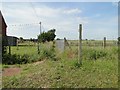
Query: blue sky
column 99, row 19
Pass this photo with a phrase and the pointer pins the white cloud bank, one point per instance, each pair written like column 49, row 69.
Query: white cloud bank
column 64, row 20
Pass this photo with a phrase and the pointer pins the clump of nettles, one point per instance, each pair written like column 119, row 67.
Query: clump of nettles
column 49, row 53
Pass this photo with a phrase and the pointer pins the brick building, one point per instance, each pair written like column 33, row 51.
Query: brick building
column 3, row 25
column 7, row 40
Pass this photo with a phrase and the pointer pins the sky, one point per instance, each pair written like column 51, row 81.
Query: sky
column 98, row 19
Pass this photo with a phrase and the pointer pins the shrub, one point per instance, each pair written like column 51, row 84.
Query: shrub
column 24, row 59
column 15, row 59
column 5, row 66
column 95, row 54
column 77, row 65
column 47, row 53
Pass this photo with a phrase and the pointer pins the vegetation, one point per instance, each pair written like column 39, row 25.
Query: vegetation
column 119, row 40
column 47, row 36
column 25, row 55
column 21, row 39
column 52, row 68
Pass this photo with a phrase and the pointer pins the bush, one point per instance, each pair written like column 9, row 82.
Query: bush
column 47, row 53
column 24, row 59
column 95, row 54
column 77, row 65
column 15, row 59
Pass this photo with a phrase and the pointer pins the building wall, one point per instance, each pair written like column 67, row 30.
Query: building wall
column 9, row 41
column 12, row 41
column 3, row 25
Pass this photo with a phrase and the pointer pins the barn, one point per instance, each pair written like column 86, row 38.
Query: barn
column 3, row 25
column 7, row 40
column 12, row 41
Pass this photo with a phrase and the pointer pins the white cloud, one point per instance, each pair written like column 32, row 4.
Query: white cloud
column 55, row 12
column 72, row 11
column 62, row 19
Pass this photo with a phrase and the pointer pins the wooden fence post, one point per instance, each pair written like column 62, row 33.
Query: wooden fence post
column 104, row 42
column 80, row 44
column 66, row 43
column 17, row 45
column 38, row 48
column 9, row 49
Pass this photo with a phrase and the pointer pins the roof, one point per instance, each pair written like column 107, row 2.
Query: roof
column 13, row 37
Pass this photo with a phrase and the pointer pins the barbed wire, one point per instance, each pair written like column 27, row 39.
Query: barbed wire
column 23, row 24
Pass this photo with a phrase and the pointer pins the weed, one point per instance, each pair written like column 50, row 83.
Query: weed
column 5, row 66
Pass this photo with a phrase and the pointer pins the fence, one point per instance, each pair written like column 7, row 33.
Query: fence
column 94, row 43
column 29, row 47
column 62, row 44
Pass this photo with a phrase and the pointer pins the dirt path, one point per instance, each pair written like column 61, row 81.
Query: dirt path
column 11, row 71
column 15, row 70
column 38, row 62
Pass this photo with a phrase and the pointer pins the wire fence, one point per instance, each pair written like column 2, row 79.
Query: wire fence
column 30, row 47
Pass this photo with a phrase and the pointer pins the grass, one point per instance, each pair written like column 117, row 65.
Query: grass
column 24, row 50
column 101, row 72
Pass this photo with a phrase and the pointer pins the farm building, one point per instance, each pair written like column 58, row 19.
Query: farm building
column 12, row 41
column 3, row 25
column 7, row 40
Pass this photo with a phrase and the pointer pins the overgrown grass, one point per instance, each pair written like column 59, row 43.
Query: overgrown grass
column 29, row 54
column 99, row 69
column 64, row 73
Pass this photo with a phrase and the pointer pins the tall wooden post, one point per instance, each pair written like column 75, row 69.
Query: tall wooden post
column 38, row 41
column 104, row 42
column 17, row 45
column 38, row 49
column 40, row 28
column 80, row 44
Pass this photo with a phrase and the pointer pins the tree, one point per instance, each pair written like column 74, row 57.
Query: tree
column 58, row 39
column 47, row 36
column 31, row 39
column 51, row 34
column 21, row 39
column 42, row 37
column 118, row 40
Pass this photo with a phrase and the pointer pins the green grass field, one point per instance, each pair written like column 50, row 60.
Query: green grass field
column 99, row 69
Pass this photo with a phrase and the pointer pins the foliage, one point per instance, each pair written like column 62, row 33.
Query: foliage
column 99, row 68
column 58, row 39
column 118, row 40
column 94, row 54
column 63, row 73
column 21, row 39
column 27, row 55
column 48, row 53
column 14, row 59
column 77, row 65
column 31, row 39
column 47, row 36
column 51, row 34
column 43, row 37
